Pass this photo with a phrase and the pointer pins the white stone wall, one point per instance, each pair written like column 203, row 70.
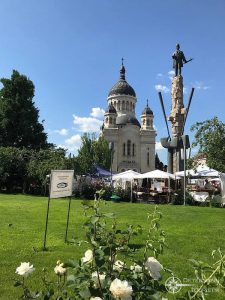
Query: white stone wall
column 143, row 138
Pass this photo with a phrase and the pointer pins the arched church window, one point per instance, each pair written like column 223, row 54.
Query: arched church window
column 123, row 105
column 124, row 149
column 127, row 105
column 110, row 120
column 148, row 157
column 134, row 149
column 130, row 106
column 118, row 105
column 148, row 122
column 114, row 104
column 107, row 120
column 128, row 147
column 144, row 122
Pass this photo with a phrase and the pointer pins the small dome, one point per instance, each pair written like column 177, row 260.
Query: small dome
column 125, row 119
column 122, row 87
column 147, row 110
column 111, row 109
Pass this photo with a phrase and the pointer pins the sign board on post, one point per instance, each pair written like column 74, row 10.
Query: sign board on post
column 61, row 184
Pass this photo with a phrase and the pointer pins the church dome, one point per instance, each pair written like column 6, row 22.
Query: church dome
column 147, row 110
column 111, row 109
column 122, row 87
column 126, row 119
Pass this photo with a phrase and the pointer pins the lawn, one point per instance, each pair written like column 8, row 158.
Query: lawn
column 192, row 232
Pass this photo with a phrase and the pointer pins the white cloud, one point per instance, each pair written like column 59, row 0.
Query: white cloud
column 87, row 124
column 199, row 85
column 171, row 74
column 73, row 140
column 159, row 75
column 162, row 88
column 62, row 131
column 158, row 146
column 184, row 90
column 97, row 112
column 72, row 144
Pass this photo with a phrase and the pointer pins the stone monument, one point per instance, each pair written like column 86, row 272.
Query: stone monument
column 178, row 142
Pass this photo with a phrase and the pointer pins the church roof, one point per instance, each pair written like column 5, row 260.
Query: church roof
column 126, row 119
column 147, row 110
column 122, row 87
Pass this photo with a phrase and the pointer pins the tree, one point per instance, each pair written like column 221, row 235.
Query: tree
column 158, row 164
column 93, row 152
column 42, row 162
column 19, row 125
column 102, row 155
column 13, row 168
column 26, row 169
column 86, row 154
column 210, row 137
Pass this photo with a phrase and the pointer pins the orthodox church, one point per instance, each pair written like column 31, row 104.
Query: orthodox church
column 133, row 143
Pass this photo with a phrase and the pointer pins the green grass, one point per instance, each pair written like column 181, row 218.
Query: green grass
column 192, row 232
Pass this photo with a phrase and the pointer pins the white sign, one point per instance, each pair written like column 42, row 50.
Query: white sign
column 61, row 184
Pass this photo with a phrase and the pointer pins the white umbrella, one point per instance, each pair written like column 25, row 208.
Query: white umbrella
column 201, row 171
column 126, row 176
column 156, row 174
column 130, row 174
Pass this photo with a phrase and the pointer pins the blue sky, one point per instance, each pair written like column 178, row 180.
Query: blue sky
column 72, row 50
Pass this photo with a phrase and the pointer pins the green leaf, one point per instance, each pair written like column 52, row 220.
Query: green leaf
column 109, row 215
column 17, row 283
column 94, row 219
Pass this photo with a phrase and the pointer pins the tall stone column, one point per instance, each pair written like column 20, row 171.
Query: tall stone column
column 177, row 117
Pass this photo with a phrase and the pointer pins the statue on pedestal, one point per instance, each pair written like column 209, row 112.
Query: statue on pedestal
column 178, row 60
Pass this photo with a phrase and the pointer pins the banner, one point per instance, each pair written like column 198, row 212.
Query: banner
column 61, row 183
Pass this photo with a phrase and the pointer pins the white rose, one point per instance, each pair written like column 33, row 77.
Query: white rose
column 59, row 269
column 25, row 269
column 118, row 265
column 136, row 268
column 121, row 289
column 96, row 280
column 95, row 298
column 154, row 267
column 88, row 257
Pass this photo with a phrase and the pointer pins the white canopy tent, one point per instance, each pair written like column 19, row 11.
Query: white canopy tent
column 126, row 176
column 201, row 171
column 158, row 174
column 205, row 171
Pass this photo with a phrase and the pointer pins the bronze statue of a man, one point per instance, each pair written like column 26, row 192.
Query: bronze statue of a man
column 178, row 60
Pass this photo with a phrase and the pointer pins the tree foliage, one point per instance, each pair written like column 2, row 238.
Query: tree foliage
column 26, row 169
column 93, row 152
column 13, row 167
column 42, row 162
column 210, row 138
column 159, row 164
column 19, row 125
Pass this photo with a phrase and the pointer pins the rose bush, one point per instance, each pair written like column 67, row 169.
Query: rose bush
column 110, row 269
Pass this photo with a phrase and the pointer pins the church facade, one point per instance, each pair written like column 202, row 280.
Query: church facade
column 133, row 143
